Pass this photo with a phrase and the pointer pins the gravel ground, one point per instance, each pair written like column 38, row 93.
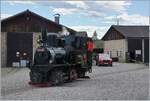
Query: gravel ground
column 121, row 82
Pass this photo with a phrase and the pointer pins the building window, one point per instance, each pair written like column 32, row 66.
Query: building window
column 110, row 53
column 120, row 53
column 117, row 53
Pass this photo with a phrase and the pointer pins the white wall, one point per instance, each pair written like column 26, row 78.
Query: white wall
column 112, row 46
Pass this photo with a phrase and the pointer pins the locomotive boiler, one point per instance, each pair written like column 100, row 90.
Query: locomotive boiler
column 60, row 59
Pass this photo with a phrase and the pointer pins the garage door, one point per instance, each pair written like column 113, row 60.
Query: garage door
column 146, row 51
column 19, row 43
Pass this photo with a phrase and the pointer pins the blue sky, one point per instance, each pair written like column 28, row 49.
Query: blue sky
column 84, row 15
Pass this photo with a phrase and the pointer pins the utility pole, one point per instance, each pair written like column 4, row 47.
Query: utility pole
column 117, row 21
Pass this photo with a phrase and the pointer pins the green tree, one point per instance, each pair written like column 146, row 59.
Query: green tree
column 94, row 37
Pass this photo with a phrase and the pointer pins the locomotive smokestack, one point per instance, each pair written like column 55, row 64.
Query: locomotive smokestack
column 56, row 18
column 44, row 35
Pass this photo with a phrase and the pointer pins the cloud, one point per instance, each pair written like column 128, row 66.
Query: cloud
column 3, row 16
column 78, row 4
column 110, row 17
column 94, row 14
column 13, row 2
column 97, row 8
column 126, row 19
column 86, row 8
column 136, row 19
column 64, row 11
column 91, row 28
column 80, row 7
column 118, row 6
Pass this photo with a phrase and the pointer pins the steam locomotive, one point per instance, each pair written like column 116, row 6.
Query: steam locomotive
column 59, row 59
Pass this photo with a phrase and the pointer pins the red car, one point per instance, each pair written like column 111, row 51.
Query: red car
column 103, row 59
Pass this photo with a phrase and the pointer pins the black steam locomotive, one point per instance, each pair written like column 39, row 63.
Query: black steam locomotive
column 59, row 59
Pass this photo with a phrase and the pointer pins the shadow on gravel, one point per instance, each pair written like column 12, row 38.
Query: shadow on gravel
column 75, row 83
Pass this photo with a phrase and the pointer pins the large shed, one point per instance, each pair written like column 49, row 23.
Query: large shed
column 19, row 35
column 127, row 42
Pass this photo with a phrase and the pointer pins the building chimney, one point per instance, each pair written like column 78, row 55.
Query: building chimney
column 56, row 18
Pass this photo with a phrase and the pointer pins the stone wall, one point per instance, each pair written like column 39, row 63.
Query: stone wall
column 3, row 49
column 35, row 38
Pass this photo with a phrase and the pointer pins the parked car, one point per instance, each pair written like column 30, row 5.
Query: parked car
column 103, row 59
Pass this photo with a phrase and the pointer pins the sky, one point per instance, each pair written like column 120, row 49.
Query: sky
column 84, row 15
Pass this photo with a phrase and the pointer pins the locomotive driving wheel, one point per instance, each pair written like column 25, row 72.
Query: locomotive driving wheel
column 81, row 74
column 73, row 75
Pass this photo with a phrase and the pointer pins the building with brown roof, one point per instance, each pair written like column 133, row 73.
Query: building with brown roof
column 127, row 43
column 19, row 35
